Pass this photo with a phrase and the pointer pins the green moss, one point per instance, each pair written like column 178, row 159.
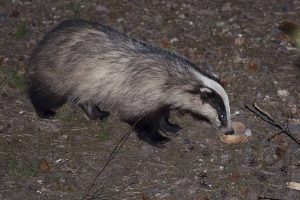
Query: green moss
column 103, row 135
column 13, row 79
column 4, row 2
column 21, row 168
column 75, row 6
column 21, row 31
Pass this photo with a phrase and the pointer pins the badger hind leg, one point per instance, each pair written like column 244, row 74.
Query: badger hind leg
column 167, row 127
column 93, row 111
column 44, row 101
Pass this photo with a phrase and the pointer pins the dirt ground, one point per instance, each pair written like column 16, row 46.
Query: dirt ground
column 238, row 39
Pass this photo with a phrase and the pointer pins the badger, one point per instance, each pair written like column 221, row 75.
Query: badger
column 103, row 70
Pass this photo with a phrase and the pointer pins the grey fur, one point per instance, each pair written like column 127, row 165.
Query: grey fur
column 92, row 63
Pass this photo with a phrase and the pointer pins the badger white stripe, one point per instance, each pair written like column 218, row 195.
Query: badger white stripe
column 219, row 89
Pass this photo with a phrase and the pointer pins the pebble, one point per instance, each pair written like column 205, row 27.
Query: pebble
column 181, row 16
column 283, row 93
column 121, row 19
column 248, row 132
column 173, row 40
column 226, row 7
column 100, row 8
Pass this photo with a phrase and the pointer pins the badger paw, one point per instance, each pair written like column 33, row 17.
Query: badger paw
column 170, row 129
column 154, row 138
column 94, row 112
column 48, row 114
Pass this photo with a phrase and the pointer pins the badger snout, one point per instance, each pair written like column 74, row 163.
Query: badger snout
column 227, row 131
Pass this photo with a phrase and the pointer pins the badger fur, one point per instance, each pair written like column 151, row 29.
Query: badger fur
column 104, row 70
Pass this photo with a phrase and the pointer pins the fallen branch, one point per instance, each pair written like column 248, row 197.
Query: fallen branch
column 269, row 119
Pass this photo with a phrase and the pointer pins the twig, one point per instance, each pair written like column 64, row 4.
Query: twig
column 274, row 135
column 110, row 158
column 269, row 119
column 112, row 194
column 268, row 198
column 263, row 112
column 257, row 114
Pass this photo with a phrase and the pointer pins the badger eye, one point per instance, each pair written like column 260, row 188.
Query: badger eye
column 222, row 116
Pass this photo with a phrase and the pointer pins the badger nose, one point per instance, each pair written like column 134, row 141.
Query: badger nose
column 229, row 131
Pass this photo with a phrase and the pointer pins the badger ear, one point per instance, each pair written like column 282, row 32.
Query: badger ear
column 205, row 90
column 204, row 93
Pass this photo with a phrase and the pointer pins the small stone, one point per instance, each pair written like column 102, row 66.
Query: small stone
column 220, row 24
column 181, row 16
column 239, row 41
column 101, row 8
column 121, row 19
column 248, row 132
column 173, row 40
column 206, row 12
column 64, row 137
column 226, row 7
column 267, row 98
column 283, row 93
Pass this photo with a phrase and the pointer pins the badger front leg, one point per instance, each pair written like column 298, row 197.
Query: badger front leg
column 93, row 111
column 147, row 129
column 167, row 127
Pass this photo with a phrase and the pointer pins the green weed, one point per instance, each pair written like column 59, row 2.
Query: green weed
column 21, row 30
column 21, row 168
column 103, row 135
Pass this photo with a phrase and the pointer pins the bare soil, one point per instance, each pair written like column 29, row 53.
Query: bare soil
column 237, row 39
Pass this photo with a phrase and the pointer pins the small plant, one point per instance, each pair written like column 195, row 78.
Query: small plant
column 103, row 134
column 14, row 79
column 21, row 168
column 17, row 79
column 21, row 31
column 75, row 7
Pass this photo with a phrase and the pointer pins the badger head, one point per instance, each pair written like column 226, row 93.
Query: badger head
column 209, row 101
column 215, row 108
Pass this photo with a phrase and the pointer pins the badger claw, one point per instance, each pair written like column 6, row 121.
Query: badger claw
column 170, row 129
column 154, row 138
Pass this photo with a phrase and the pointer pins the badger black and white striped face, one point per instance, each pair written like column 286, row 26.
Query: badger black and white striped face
column 215, row 104
column 214, row 108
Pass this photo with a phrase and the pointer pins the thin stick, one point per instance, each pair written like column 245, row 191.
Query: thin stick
column 263, row 111
column 274, row 135
column 112, row 194
column 271, row 121
column 111, row 157
column 268, row 198
column 253, row 111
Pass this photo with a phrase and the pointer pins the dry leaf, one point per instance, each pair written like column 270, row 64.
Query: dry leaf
column 284, row 37
column 224, row 81
column 244, row 191
column 253, row 67
column 288, row 27
column 239, row 41
column 145, row 198
column 234, row 177
column 44, row 165
column 165, row 43
column 201, row 198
